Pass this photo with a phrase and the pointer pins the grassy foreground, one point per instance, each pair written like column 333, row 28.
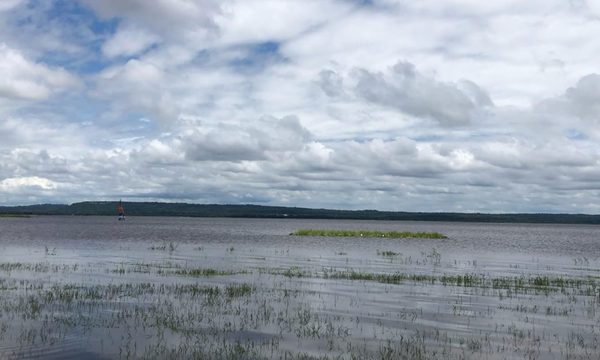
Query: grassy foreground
column 368, row 233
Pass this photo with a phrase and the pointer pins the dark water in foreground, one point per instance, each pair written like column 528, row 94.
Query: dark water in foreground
column 91, row 287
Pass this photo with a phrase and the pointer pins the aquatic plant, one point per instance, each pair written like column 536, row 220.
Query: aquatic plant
column 200, row 272
column 170, row 246
column 238, row 290
column 387, row 253
column 368, row 234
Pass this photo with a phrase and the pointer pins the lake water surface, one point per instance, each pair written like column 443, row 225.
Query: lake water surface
column 151, row 287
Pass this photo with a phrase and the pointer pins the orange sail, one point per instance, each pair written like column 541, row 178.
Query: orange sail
column 121, row 211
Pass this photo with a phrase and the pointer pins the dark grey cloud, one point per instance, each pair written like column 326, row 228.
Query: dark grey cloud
column 584, row 97
column 581, row 100
column 331, row 83
column 175, row 19
column 404, row 89
column 407, row 90
column 228, row 142
column 476, row 94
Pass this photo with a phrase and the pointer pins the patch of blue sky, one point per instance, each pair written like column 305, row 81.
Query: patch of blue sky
column 268, row 47
column 83, row 109
column 130, row 122
column 575, row 134
column 71, row 24
column 365, row 138
column 124, row 129
column 202, row 57
column 362, row 2
column 93, row 64
column 427, row 138
column 67, row 108
column 258, row 56
column 473, row 136
column 72, row 13
column 361, row 139
column 90, row 61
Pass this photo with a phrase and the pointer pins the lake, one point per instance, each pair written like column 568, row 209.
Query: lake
column 152, row 287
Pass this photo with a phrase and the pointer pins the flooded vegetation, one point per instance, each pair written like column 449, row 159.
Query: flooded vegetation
column 90, row 287
column 368, row 233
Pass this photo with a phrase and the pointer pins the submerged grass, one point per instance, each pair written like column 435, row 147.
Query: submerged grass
column 387, row 253
column 396, row 278
column 368, row 233
column 247, row 320
column 238, row 290
column 536, row 284
column 201, row 272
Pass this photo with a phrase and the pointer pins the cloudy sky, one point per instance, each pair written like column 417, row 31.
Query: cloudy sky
column 454, row 105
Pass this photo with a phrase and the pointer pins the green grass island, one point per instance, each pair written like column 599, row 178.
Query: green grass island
column 368, row 233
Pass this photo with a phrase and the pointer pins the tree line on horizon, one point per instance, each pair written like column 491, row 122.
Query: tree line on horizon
column 260, row 211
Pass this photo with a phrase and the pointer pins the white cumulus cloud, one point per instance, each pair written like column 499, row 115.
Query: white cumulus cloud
column 21, row 183
column 28, row 80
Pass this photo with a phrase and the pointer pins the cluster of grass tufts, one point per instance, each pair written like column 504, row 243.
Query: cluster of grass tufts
column 387, row 253
column 171, row 246
column 396, row 278
column 201, row 272
column 292, row 272
column 240, row 290
column 368, row 233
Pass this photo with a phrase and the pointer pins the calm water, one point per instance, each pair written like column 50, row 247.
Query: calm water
column 73, row 287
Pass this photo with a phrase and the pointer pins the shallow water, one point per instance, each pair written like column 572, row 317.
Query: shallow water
column 93, row 287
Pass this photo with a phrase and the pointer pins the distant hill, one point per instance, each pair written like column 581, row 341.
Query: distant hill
column 258, row 211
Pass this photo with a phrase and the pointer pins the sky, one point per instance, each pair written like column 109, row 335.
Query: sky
column 453, row 105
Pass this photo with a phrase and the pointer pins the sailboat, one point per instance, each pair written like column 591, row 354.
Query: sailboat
column 121, row 211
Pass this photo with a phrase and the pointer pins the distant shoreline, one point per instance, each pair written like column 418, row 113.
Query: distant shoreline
column 259, row 211
column 14, row 215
